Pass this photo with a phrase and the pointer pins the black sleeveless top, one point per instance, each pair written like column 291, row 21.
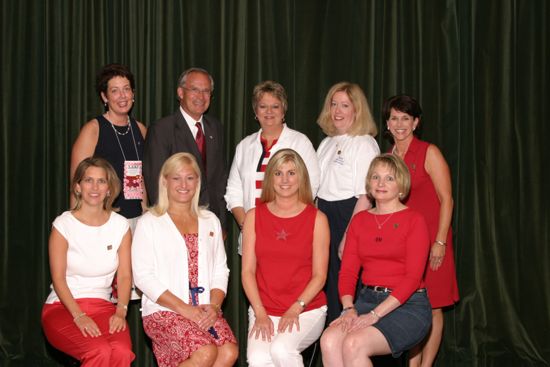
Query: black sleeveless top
column 108, row 148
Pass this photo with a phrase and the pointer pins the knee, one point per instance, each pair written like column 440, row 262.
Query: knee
column 99, row 353
column 351, row 344
column 228, row 354
column 257, row 358
column 123, row 355
column 281, row 352
column 205, row 355
column 329, row 342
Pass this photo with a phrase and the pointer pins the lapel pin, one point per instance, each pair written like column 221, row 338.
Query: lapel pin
column 109, row 247
column 211, row 234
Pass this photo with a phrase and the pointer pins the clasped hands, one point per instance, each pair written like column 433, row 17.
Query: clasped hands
column 204, row 316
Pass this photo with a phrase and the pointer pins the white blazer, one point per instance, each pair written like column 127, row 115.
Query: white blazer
column 241, row 184
column 159, row 259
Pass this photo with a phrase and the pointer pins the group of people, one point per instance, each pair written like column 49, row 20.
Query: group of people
column 343, row 243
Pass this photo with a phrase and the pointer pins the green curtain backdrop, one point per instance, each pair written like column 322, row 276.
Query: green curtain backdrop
column 479, row 68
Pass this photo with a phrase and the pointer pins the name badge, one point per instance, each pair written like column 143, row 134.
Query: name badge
column 133, row 180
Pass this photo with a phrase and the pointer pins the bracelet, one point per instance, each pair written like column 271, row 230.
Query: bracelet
column 79, row 316
column 122, row 306
column 373, row 313
column 442, row 243
column 216, row 307
column 346, row 309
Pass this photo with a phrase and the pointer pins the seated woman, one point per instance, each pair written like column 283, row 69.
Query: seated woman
column 284, row 265
column 390, row 243
column 87, row 246
column 180, row 264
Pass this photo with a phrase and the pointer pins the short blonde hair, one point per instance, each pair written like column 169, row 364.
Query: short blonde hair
column 171, row 166
column 279, row 158
column 273, row 88
column 398, row 167
column 113, row 181
column 363, row 123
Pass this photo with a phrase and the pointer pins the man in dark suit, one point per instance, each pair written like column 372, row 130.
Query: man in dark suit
column 190, row 130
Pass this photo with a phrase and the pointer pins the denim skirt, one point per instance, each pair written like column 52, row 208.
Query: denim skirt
column 404, row 327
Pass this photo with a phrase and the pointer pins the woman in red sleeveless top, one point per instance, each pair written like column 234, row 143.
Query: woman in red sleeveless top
column 284, row 268
column 431, row 195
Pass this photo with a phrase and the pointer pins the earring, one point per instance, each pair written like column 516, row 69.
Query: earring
column 105, row 104
column 133, row 100
column 108, row 193
column 400, row 194
column 256, row 117
column 77, row 194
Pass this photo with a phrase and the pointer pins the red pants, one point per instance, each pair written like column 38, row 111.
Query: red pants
column 107, row 350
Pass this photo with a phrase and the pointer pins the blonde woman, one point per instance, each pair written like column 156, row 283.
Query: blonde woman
column 284, row 265
column 180, row 264
column 344, row 158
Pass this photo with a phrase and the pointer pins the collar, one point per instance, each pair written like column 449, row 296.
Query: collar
column 190, row 121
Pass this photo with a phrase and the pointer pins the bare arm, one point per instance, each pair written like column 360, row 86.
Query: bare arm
column 239, row 214
column 57, row 249
column 439, row 172
column 83, row 147
column 263, row 326
column 117, row 322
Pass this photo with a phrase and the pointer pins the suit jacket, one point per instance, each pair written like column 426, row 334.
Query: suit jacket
column 171, row 135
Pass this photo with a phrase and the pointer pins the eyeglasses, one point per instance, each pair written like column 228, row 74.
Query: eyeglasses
column 194, row 90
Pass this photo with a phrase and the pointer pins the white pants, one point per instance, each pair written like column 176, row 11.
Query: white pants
column 285, row 348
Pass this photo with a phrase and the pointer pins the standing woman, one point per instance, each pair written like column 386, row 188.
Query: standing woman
column 252, row 155
column 180, row 264
column 116, row 137
column 344, row 159
column 431, row 195
column 284, row 267
column 87, row 246
column 390, row 243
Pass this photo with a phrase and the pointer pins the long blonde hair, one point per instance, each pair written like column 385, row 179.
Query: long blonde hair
column 363, row 122
column 171, row 166
column 304, row 185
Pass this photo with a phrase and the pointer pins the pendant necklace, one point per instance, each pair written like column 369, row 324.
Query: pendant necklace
column 380, row 225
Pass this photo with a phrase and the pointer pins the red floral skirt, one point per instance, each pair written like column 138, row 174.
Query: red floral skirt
column 175, row 338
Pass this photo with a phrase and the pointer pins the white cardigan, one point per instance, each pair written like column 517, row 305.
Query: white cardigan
column 159, row 259
column 241, row 185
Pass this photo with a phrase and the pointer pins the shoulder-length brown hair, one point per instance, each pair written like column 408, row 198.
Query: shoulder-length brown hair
column 112, row 181
column 363, row 123
column 304, row 185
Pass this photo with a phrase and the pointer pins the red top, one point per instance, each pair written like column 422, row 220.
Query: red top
column 392, row 256
column 284, row 257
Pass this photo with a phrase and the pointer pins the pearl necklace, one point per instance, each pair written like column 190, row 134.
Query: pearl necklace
column 128, row 127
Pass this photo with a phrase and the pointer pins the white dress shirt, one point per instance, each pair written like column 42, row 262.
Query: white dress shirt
column 344, row 162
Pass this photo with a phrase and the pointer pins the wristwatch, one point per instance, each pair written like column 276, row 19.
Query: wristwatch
column 301, row 303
